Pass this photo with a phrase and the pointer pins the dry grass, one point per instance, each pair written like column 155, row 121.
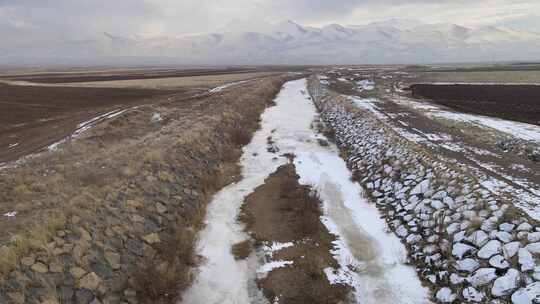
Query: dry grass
column 313, row 265
column 308, row 213
column 152, row 156
column 475, row 224
column 35, row 238
column 85, row 176
column 329, row 133
column 511, row 214
column 240, row 136
column 174, row 82
column 160, row 278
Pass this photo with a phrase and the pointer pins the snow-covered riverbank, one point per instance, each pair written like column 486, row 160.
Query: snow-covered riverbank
column 379, row 274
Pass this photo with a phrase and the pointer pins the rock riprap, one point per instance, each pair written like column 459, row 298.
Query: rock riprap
column 468, row 244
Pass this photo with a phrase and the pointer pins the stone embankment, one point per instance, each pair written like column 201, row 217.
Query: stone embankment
column 468, row 244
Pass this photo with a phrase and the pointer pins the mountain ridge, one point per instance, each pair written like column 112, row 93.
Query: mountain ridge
column 287, row 42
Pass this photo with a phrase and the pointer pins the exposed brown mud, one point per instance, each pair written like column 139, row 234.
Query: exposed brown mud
column 514, row 102
column 104, row 76
column 33, row 117
column 283, row 211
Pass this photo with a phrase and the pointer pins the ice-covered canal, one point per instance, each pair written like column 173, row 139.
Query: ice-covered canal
column 380, row 274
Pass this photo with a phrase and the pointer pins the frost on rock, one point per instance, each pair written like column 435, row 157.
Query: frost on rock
column 524, row 227
column 456, row 279
column 479, row 238
column 533, row 248
column 482, row 277
column 445, row 295
column 498, row 261
column 533, row 237
column 435, row 209
column 506, row 284
column 437, row 204
column 421, row 188
column 467, row 265
column 472, row 295
column 460, row 249
column 490, row 249
column 504, row 236
column 525, row 259
column 507, row 227
column 510, row 249
column 527, row 295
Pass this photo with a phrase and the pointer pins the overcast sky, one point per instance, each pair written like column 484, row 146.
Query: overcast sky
column 77, row 18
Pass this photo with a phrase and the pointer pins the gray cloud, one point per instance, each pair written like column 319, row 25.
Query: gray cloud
column 75, row 19
column 43, row 24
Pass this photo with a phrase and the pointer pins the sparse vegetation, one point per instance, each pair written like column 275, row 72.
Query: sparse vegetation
column 160, row 278
column 281, row 210
column 241, row 250
column 130, row 174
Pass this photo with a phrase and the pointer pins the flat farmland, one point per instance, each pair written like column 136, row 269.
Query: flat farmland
column 38, row 110
column 501, row 76
column 514, row 102
column 33, row 117
column 177, row 82
column 107, row 75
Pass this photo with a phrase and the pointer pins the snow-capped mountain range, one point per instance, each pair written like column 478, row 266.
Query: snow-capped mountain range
column 392, row 41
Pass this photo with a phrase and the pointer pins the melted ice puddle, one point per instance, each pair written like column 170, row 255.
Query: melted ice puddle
column 380, row 274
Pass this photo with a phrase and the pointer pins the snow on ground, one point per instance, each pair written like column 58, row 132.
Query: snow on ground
column 54, row 146
column 366, row 84
column 517, row 129
column 263, row 271
column 370, row 104
column 10, row 214
column 525, row 192
column 276, row 246
column 363, row 240
column 372, row 260
column 85, row 126
column 225, row 86
column 156, row 117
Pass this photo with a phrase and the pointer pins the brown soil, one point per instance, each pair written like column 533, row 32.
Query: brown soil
column 36, row 116
column 91, row 77
column 494, row 76
column 282, row 210
column 241, row 250
column 514, row 102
